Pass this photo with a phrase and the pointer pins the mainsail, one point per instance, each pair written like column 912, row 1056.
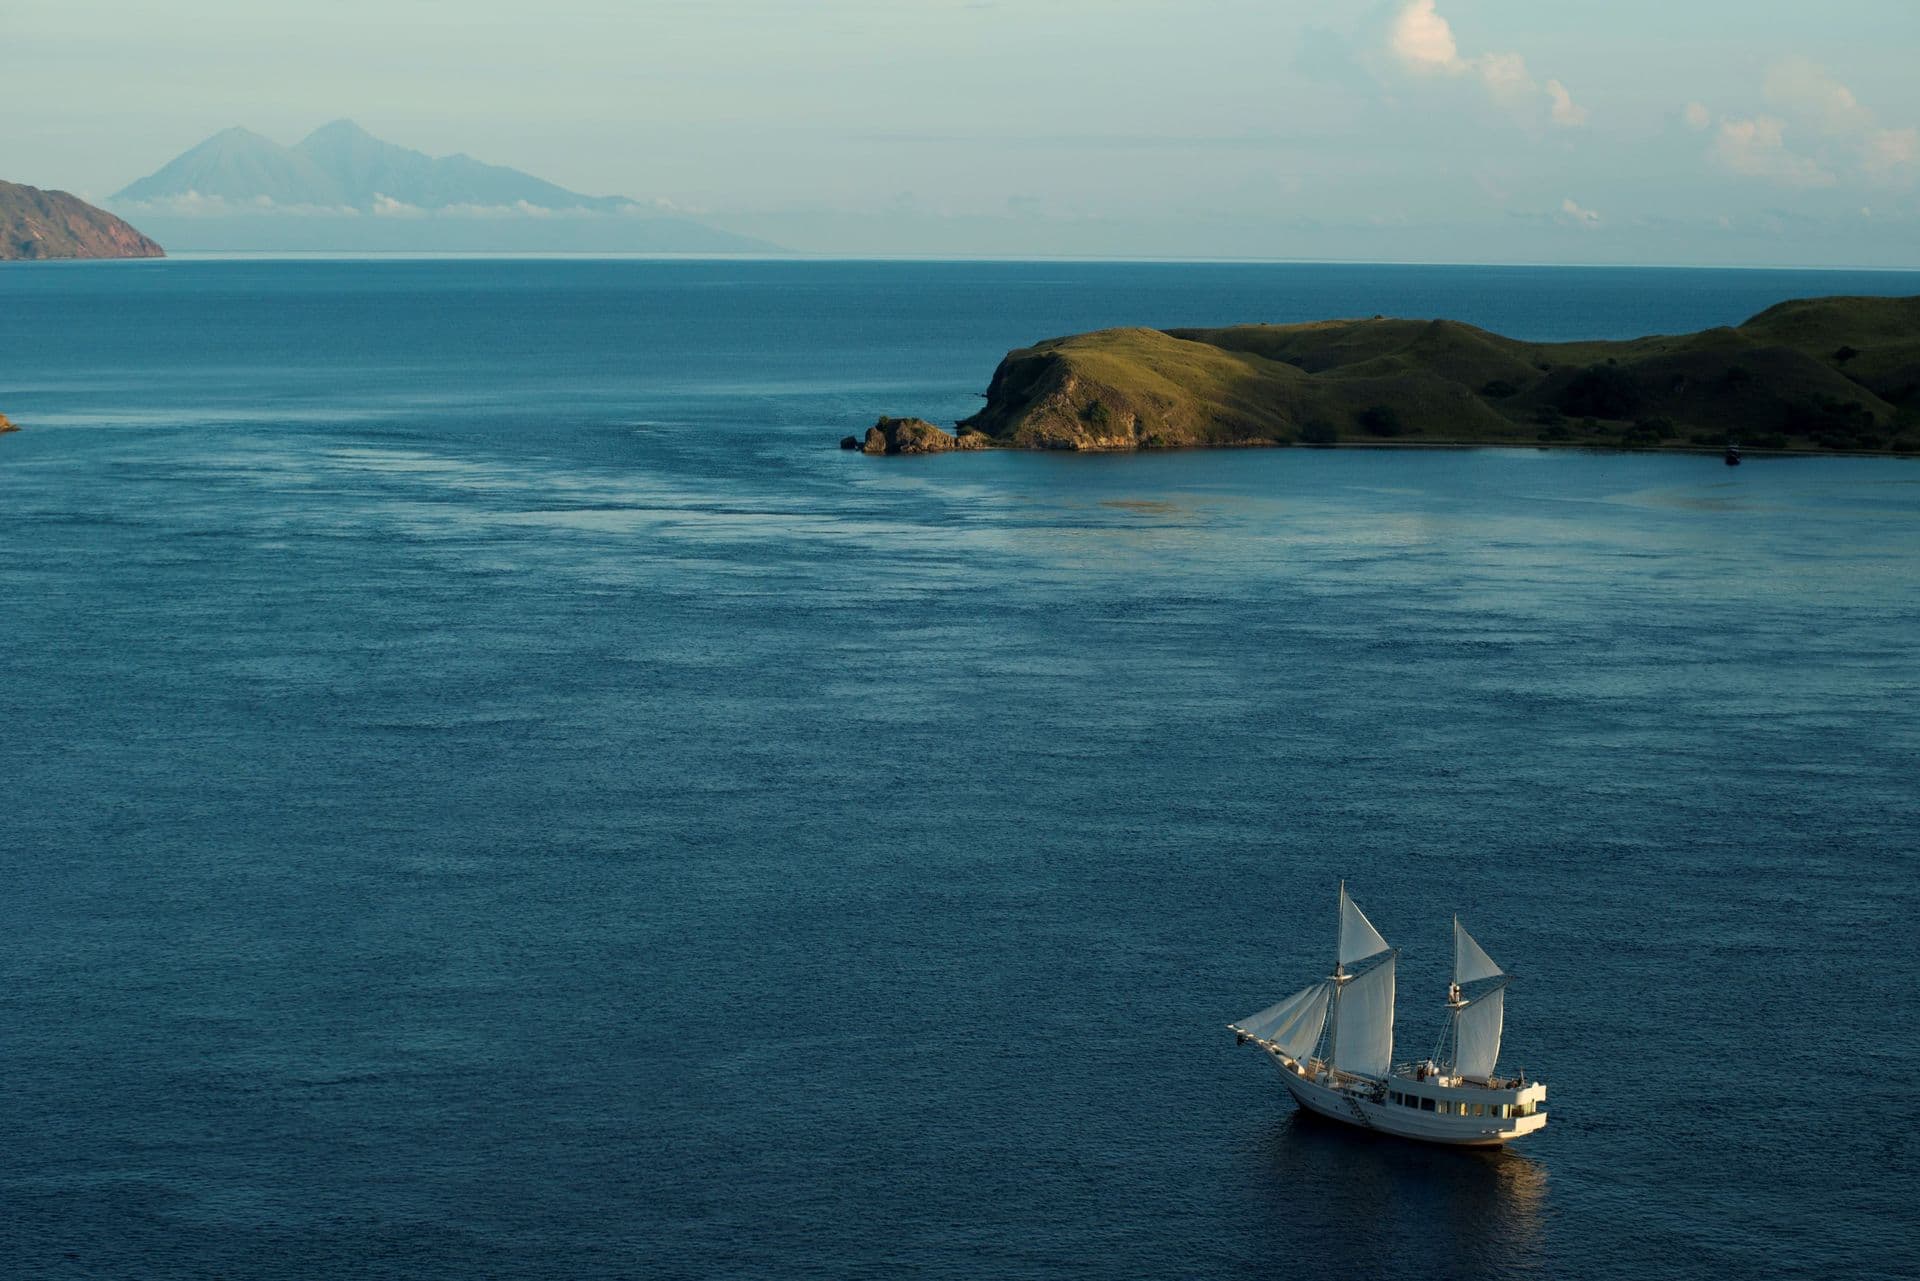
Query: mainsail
column 1354, row 1011
column 1476, row 1035
column 1470, row 961
column 1363, row 1021
column 1358, row 938
column 1294, row 1024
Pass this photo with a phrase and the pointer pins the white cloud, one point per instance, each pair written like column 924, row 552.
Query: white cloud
column 518, row 209
column 1505, row 76
column 1423, row 42
column 388, row 207
column 527, row 209
column 1803, row 90
column 1574, row 216
column 194, row 204
column 1422, row 38
column 1892, row 153
column 188, row 204
column 1757, row 148
column 1565, row 110
column 1697, row 116
column 1838, row 136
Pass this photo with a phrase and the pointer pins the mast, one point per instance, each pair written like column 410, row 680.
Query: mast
column 1338, row 979
column 1482, row 1017
column 1454, row 1003
column 1371, row 1018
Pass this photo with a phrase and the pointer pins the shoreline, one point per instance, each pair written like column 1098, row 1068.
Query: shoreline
column 1542, row 446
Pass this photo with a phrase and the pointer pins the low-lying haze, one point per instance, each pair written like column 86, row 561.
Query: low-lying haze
column 1467, row 130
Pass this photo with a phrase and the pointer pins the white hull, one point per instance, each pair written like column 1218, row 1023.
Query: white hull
column 1370, row 1107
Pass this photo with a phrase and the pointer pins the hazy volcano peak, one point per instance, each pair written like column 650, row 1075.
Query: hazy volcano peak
column 238, row 165
column 343, row 127
column 237, row 190
column 341, row 164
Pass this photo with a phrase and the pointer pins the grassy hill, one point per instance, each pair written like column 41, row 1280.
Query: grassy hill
column 1821, row 374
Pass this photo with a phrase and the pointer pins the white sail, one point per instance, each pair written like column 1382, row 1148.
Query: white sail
column 1358, row 938
column 1476, row 1035
column 1263, row 1025
column 1470, row 960
column 1298, row 1035
column 1363, row 1023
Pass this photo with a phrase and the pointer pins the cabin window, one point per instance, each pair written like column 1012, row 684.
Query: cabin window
column 1446, row 1107
column 1479, row 1109
column 1393, row 1096
column 1426, row 1105
column 1412, row 1102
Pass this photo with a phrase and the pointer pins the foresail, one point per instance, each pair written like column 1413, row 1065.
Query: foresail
column 1299, row 1034
column 1476, row 1031
column 1363, row 1023
column 1470, row 960
column 1263, row 1025
column 1358, row 939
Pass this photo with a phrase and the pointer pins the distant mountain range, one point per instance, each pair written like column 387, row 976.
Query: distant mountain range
column 341, row 188
column 53, row 224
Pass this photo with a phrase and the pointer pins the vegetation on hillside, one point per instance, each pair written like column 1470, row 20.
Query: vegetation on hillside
column 1820, row 374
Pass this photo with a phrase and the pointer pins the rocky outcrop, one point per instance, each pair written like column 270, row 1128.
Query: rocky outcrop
column 914, row 436
column 7, row 426
column 53, row 224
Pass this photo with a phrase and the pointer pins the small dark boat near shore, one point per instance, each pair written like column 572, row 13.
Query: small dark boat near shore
column 1733, row 455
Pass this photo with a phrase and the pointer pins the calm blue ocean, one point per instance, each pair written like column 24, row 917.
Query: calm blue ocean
column 488, row 789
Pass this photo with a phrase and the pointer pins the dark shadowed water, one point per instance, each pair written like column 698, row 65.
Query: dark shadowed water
column 489, row 790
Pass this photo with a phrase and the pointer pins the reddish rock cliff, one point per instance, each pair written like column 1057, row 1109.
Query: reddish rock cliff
column 53, row 224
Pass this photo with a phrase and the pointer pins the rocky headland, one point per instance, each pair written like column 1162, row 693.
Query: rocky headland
column 1822, row 374
column 53, row 224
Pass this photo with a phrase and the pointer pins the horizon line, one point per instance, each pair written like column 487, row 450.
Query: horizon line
column 1010, row 259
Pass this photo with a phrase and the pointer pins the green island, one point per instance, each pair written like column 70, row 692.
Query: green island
column 1820, row 375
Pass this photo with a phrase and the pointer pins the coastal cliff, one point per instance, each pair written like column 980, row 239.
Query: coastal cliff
column 1828, row 374
column 52, row 224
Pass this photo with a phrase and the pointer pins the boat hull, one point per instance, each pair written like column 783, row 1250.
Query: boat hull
column 1362, row 1111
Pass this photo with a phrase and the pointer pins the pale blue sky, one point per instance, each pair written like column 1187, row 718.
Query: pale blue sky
column 1477, row 130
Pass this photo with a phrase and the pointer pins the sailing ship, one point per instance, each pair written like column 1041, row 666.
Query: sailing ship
column 1333, row 1044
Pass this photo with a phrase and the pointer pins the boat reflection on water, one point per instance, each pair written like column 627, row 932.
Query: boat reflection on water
column 1410, row 1208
